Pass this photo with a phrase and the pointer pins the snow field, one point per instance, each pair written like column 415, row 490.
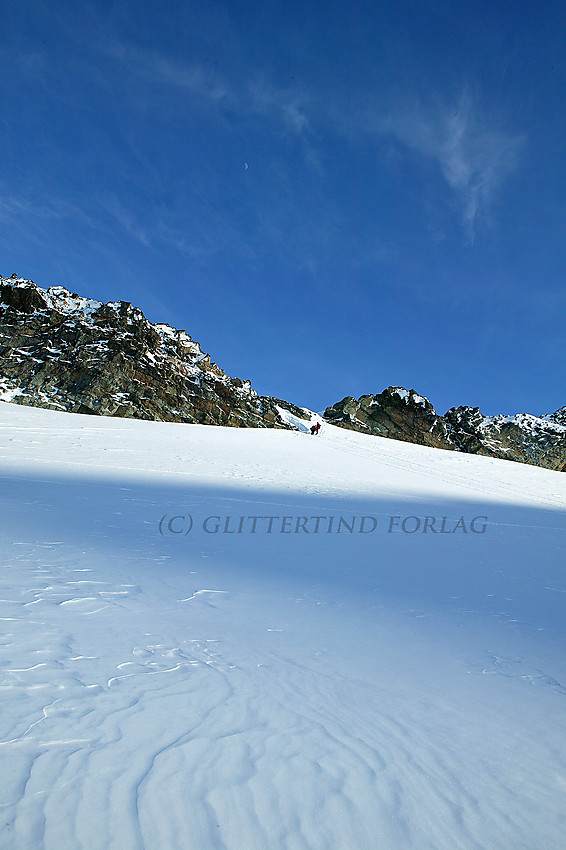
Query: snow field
column 275, row 690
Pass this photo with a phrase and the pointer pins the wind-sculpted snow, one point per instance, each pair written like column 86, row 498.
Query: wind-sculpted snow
column 167, row 686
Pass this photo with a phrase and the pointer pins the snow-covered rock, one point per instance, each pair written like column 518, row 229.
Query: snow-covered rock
column 62, row 351
column 65, row 352
column 404, row 415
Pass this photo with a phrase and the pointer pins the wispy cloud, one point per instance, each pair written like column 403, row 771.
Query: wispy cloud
column 35, row 215
column 286, row 112
column 474, row 156
column 124, row 216
column 473, row 153
column 152, row 65
column 247, row 94
column 13, row 207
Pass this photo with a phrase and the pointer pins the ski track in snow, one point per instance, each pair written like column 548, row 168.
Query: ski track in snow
column 168, row 694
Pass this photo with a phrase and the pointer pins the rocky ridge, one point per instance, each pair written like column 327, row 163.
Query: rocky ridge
column 404, row 415
column 66, row 352
column 62, row 351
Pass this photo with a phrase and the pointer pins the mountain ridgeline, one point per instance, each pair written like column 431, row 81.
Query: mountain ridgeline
column 404, row 415
column 62, row 351
column 66, row 352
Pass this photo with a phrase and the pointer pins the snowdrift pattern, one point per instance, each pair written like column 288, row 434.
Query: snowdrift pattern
column 392, row 689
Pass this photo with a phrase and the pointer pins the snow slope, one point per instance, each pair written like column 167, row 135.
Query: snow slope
column 255, row 639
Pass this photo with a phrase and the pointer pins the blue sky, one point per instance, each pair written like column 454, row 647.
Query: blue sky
column 331, row 198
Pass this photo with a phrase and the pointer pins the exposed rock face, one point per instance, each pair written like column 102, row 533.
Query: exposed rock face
column 397, row 413
column 61, row 351
column 405, row 415
column 65, row 352
column 524, row 438
column 558, row 417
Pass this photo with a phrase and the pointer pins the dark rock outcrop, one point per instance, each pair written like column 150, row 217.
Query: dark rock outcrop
column 397, row 413
column 61, row 351
column 558, row 417
column 65, row 352
column 524, row 438
column 404, row 415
